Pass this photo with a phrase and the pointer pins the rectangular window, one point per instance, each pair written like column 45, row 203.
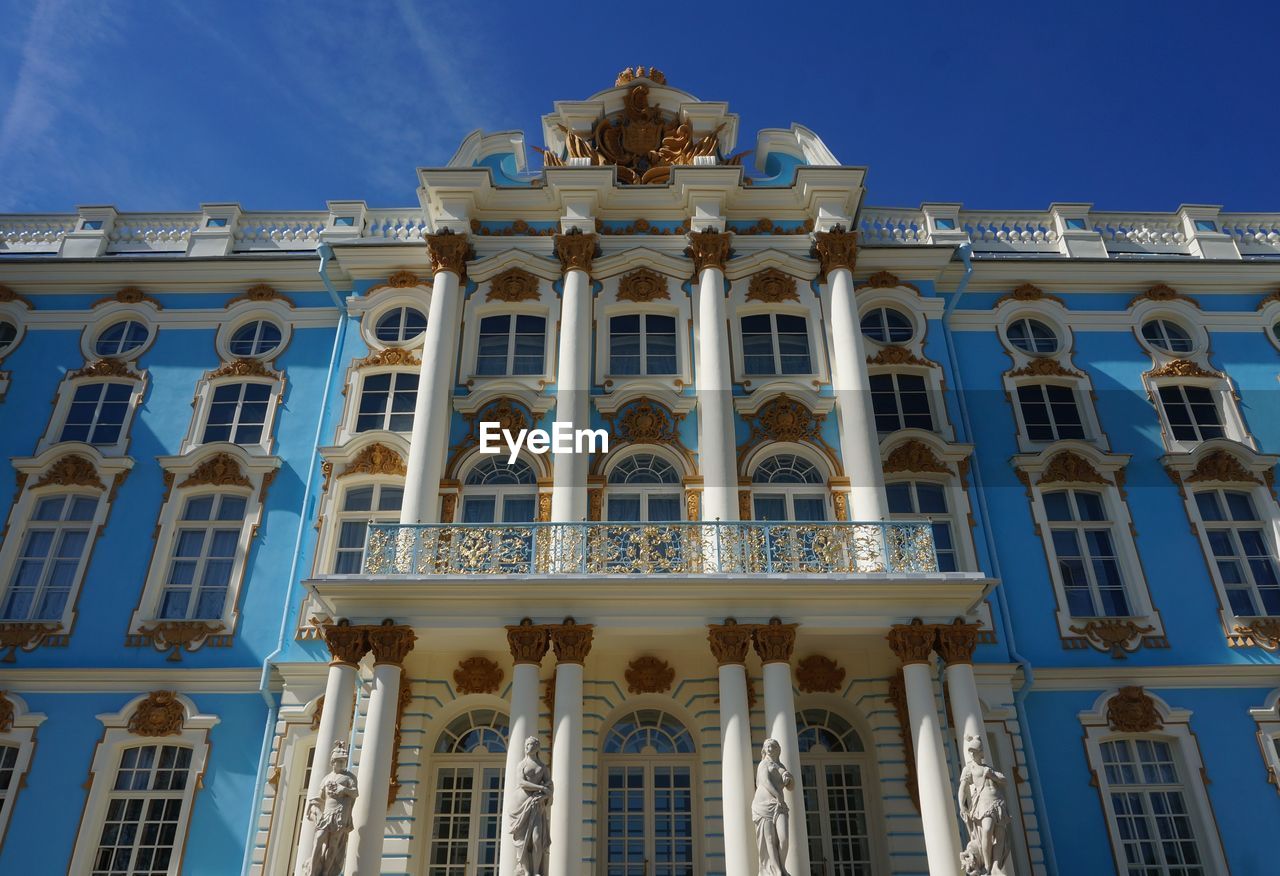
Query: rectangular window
column 386, row 402
column 1156, row 831
column 1082, row 541
column 51, row 559
column 204, row 558
column 511, row 345
column 912, row 498
column 776, row 343
column 237, row 413
column 1191, row 411
column 1241, row 552
column 377, row 503
column 97, row 413
column 140, row 832
column 8, row 763
column 642, row 344
column 1049, row 412
column 900, row 401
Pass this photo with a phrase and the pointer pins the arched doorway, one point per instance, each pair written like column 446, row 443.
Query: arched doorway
column 466, row 795
column 834, row 771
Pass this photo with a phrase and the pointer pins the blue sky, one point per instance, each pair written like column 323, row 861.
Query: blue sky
column 159, row 106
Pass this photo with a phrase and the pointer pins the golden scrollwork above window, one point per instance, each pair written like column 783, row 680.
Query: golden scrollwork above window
column 376, row 459
column 513, row 285
column 71, row 470
column 772, row 286
column 220, row 470
column 643, row 285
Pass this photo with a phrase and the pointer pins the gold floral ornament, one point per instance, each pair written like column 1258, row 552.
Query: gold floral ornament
column 730, row 641
column 649, row 675
column 819, row 674
column 1071, row 467
column 1113, row 635
column 28, row 636
column 105, row 368
column 448, row 252
column 1044, row 367
column 1132, row 710
column 513, row 285
column 1224, row 467
column 376, row 459
column 775, row 641
column 477, row 675
column 220, row 470
column 1028, row 292
column 72, row 470
column 259, row 293
column 772, row 286
column 645, row 421
column 836, row 249
column 709, row 249
column 390, row 357
column 177, row 636
column 630, row 74
column 130, row 295
column 241, row 368
column 6, row 713
column 576, row 250
column 914, row 456
column 160, row 714
column 643, row 285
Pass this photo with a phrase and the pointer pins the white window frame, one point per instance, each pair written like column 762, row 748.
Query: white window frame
column 106, row 762
column 332, row 537
column 337, row 461
column 643, row 317
column 644, row 490
column 933, row 395
column 808, row 304
column 21, row 735
column 1080, row 396
column 546, row 306
column 1267, row 717
column 284, row 799
column 499, row 492
column 137, row 381
column 112, row 312
column 1223, row 396
column 511, row 334
column 1266, row 522
column 789, row 491
column 243, row 312
column 356, row 382
column 1176, row 731
column 679, row 306
column 204, row 405
column 474, row 760
column 957, row 512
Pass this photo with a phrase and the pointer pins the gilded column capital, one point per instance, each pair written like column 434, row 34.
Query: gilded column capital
column 775, row 641
column 448, row 252
column 836, row 248
column 730, row 641
column 528, row 642
column 572, row 641
column 347, row 644
column 913, row 642
column 575, row 250
column 390, row 643
column 708, row 249
column 957, row 641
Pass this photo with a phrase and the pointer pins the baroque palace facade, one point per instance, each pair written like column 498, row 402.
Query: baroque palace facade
column 877, row 480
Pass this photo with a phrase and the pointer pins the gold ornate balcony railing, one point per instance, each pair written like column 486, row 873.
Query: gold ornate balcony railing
column 748, row 548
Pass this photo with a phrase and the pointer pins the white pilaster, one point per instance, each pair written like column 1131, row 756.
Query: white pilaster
column 713, row 379
column 729, row 643
column 528, row 646
column 572, row 643
column 573, row 395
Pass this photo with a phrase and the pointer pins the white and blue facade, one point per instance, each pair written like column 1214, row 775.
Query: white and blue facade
column 876, row 478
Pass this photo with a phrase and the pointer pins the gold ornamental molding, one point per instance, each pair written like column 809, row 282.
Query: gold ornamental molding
column 347, row 644
column 400, row 280
column 914, row 456
column 642, row 226
column 730, row 641
column 896, row 355
column 647, row 675
column 390, row 357
column 1116, row 636
column 709, row 249
column 404, row 697
column 836, row 249
column 642, row 286
column 630, row 74
column 508, row 413
column 517, row 227
column 259, row 293
column 571, row 641
column 7, row 294
column 576, row 250
column 1043, row 367
column 887, row 280
column 775, row 641
column 178, row 636
column 513, row 285
column 766, row 226
column 129, row 295
column 819, row 674
column 1028, row 292
column 105, row 368
column 7, row 713
column 787, row 419
column 72, row 470
column 448, row 252
column 1181, row 368
column 913, row 642
column 1223, row 466
column 898, row 699
column 1132, row 710
column 242, row 368
column 956, row 641
column 1263, row 632
column 160, row 714
column 772, row 287
column 1071, row 467
column 219, row 470
column 477, row 675
column 390, row 643
column 29, row 635
column 376, row 459
column 1161, row 292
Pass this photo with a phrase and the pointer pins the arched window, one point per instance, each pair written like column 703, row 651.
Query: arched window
column 834, row 776
column 495, row 492
column 400, row 325
column 788, row 487
column 643, row 487
column 466, row 810
column 1167, row 335
column 120, row 338
column 257, row 338
column 887, row 325
column 648, row 763
column 1033, row 336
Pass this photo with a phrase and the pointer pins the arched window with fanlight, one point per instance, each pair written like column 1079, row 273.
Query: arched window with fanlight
column 835, row 775
column 466, row 798
column 644, row 487
column 648, row 762
column 787, row 487
column 495, row 492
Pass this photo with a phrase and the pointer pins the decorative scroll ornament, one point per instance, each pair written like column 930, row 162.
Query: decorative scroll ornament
column 629, row 74
column 105, row 368
column 787, row 419
column 72, row 470
column 376, row 459
column 1181, row 368
column 1132, row 710
column 886, row 280
column 390, row 357
column 7, row 294
column 643, row 226
column 649, row 675
column 177, row 636
column 477, row 675
column 575, row 250
column 895, row 355
column 1161, row 292
column 1028, row 292
column 390, row 643
column 1071, row 467
column 448, row 252
column 1263, row 632
column 160, row 714
column 130, row 295
column 957, row 641
column 1113, row 635
column 220, row 470
column 27, row 636
column 835, row 249
column 765, row 226
column 772, row 286
column 819, row 674
column 729, row 641
column 709, row 249
column 404, row 280
column 259, row 293
column 643, row 285
column 513, row 285
column 1044, row 367
column 775, row 641
column 6, row 713
column 692, row 505
column 913, row 642
column 1221, row 465
column 241, row 368
column 914, row 456
column 571, row 641
column 646, row 421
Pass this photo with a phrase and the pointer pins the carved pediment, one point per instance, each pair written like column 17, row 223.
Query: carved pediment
column 512, row 285
column 391, row 356
column 105, row 368
column 72, row 470
column 1071, row 467
column 242, row 368
column 220, row 470
column 643, row 285
column 376, row 459
column 1181, row 368
column 772, row 286
column 1220, row 465
column 646, row 421
column 819, row 674
column 1044, row 367
column 914, row 456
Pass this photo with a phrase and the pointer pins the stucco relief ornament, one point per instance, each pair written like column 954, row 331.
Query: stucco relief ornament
column 772, row 286
column 105, row 368
column 71, row 470
column 6, row 713
column 647, row 422
column 513, row 285
column 914, row 456
column 819, row 674
column 448, row 252
column 649, row 675
column 1132, row 710
column 376, row 459
column 709, row 249
column 576, row 250
column 477, row 675
column 643, row 285
column 769, row 810
column 331, row 812
column 160, row 714
column 528, row 821
column 985, row 813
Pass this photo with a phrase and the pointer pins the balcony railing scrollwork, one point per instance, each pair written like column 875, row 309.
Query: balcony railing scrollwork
column 710, row 548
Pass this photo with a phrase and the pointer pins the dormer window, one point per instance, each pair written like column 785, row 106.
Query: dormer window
column 776, row 343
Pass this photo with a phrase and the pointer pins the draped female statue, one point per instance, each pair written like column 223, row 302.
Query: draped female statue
column 527, row 821
column 769, row 810
column 331, row 812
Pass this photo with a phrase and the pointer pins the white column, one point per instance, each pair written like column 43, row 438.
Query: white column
column 573, row 374
column 729, row 643
column 572, row 643
column 859, row 444
column 347, row 645
column 713, row 380
column 528, row 643
column 390, row 645
column 956, row 644
column 433, row 406
column 775, row 644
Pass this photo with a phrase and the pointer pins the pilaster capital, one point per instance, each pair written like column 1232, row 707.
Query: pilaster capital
column 730, row 641
column 575, row 250
column 913, row 642
column 528, row 642
column 957, row 641
column 836, row 248
column 390, row 643
column 708, row 249
column 775, row 641
column 448, row 252
column 347, row 644
column 572, row 641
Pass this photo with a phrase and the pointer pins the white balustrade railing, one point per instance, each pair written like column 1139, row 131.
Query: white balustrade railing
column 288, row 231
column 1020, row 231
column 395, row 225
column 1140, row 232
column 152, row 232
column 879, row 226
column 1254, row 233
column 33, row 234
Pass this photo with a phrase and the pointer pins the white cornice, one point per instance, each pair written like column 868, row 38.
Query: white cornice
column 1189, row 276
column 1093, row 678
column 292, row 272
column 81, row 680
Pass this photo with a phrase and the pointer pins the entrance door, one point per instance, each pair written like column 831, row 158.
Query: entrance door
column 466, row 796
column 833, row 775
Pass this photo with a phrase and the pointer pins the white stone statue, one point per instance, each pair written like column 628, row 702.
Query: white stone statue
column 331, row 812
column 769, row 810
column 985, row 813
column 527, row 821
